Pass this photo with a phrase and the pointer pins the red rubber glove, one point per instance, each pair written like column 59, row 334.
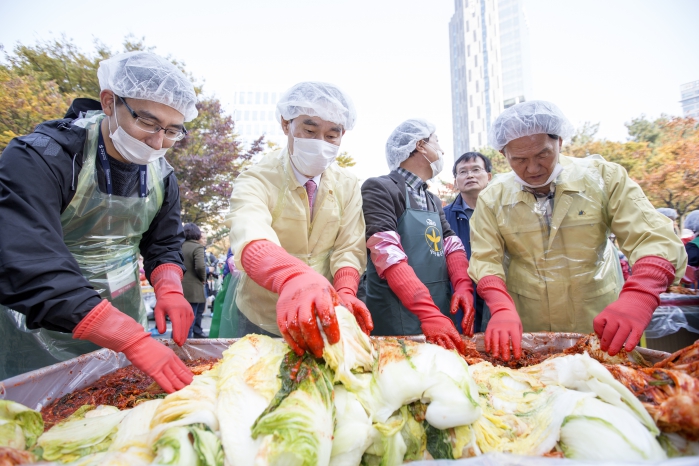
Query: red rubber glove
column 415, row 296
column 626, row 319
column 346, row 283
column 504, row 324
column 170, row 301
column 304, row 296
column 457, row 266
column 108, row 327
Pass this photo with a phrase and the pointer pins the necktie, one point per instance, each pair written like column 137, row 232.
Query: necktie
column 311, row 190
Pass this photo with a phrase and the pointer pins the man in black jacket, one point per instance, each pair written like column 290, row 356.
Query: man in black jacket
column 415, row 257
column 80, row 198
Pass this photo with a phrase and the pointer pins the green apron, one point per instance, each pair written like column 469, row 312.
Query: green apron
column 103, row 233
column 421, row 237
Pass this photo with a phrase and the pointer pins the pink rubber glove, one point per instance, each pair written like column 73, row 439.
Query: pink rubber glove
column 504, row 325
column 415, row 296
column 170, row 301
column 346, row 283
column 304, row 295
column 457, row 266
column 106, row 326
column 626, row 319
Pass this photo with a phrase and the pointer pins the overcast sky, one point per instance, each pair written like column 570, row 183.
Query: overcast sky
column 604, row 61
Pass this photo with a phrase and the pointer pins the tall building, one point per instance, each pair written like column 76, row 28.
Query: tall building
column 254, row 112
column 490, row 66
column 476, row 76
column 514, row 52
column 690, row 99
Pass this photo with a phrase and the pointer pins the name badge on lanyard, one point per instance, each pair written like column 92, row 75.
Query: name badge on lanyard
column 104, row 160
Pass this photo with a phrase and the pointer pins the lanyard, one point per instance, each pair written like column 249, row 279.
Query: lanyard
column 104, row 160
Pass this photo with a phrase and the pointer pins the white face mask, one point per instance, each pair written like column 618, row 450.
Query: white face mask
column 554, row 174
column 438, row 165
column 131, row 148
column 312, row 157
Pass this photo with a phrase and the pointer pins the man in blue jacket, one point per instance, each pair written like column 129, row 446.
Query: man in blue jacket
column 472, row 173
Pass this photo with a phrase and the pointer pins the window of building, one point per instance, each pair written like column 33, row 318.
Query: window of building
column 470, row 98
column 478, row 111
column 241, row 97
column 472, row 127
column 475, row 57
column 469, row 75
column 468, row 50
column 477, row 90
column 274, row 97
column 258, row 97
column 271, row 115
column 247, row 114
column 466, row 26
column 266, row 97
column 249, row 98
column 254, row 115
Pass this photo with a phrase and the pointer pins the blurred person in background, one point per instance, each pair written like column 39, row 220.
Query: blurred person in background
column 548, row 222
column 672, row 215
column 193, row 281
column 415, row 257
column 691, row 222
column 298, row 226
column 472, row 173
column 98, row 173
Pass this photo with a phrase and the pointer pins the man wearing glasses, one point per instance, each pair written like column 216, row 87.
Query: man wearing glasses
column 472, row 173
column 80, row 199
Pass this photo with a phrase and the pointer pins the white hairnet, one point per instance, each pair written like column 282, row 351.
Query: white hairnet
column 403, row 140
column 669, row 213
column 527, row 119
column 323, row 100
column 691, row 221
column 146, row 76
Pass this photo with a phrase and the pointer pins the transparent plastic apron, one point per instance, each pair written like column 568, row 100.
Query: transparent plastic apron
column 422, row 239
column 320, row 262
column 103, row 233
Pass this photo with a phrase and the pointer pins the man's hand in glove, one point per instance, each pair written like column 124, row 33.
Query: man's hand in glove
column 170, row 301
column 625, row 320
column 346, row 284
column 415, row 296
column 504, row 325
column 305, row 296
column 106, row 326
column 457, row 265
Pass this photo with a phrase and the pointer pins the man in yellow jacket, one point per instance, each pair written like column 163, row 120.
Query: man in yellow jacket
column 296, row 225
column 540, row 252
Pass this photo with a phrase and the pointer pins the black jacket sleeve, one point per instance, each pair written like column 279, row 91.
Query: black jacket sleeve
column 39, row 277
column 380, row 204
column 162, row 242
column 692, row 254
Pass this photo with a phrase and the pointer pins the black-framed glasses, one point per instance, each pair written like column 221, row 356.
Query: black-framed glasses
column 149, row 126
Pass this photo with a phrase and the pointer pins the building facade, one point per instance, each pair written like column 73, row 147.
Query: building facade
column 514, row 52
column 690, row 99
column 476, row 77
column 490, row 66
column 254, row 113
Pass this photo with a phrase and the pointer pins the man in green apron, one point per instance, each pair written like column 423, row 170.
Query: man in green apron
column 80, row 198
column 415, row 257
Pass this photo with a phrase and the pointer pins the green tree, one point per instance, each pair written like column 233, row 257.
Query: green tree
column 498, row 160
column 642, row 130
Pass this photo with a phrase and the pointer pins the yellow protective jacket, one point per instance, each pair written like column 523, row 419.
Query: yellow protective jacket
column 561, row 276
column 268, row 203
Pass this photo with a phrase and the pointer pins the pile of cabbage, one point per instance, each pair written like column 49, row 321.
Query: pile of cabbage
column 368, row 401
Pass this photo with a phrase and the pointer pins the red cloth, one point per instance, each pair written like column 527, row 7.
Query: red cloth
column 170, row 301
column 504, row 325
column 304, row 295
column 457, row 266
column 106, row 326
column 311, row 191
column 625, row 320
column 346, row 283
column 415, row 296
